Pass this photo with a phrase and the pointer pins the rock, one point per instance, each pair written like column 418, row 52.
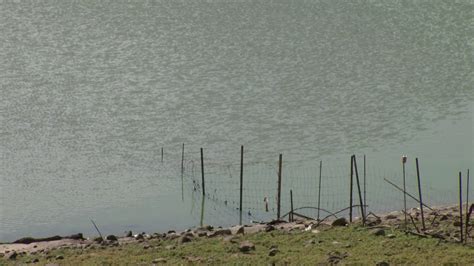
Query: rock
column 170, row 247
column 146, row 246
column 378, row 232
column 443, row 218
column 275, row 222
column 246, row 246
column 273, row 252
column 391, row 236
column 372, row 221
column 206, row 228
column 171, row 232
column 335, row 257
column 29, row 240
column 129, row 234
column 238, row 230
column 220, row 232
column 59, row 257
column 98, row 239
column 339, row 222
column 382, row 263
column 392, row 215
column 111, row 238
column 269, row 228
column 185, row 239
column 201, row 233
column 11, row 255
column 77, row 236
column 172, row 236
column 159, row 260
column 35, row 260
column 315, row 231
column 139, row 237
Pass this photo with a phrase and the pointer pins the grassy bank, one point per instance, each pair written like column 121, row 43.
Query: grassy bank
column 352, row 244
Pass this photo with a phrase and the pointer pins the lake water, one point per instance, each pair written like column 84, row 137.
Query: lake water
column 92, row 90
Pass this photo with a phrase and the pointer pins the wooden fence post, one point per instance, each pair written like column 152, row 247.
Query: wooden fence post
column 279, row 185
column 241, row 180
column 202, row 174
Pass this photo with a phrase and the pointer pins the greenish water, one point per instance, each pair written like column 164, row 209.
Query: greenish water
column 91, row 91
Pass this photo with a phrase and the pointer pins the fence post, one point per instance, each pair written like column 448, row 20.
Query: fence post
column 467, row 209
column 202, row 174
column 161, row 154
column 241, row 179
column 319, row 187
column 365, row 194
column 291, row 204
column 350, row 189
column 404, row 160
column 419, row 193
column 460, row 207
column 279, row 185
column 360, row 194
column 182, row 161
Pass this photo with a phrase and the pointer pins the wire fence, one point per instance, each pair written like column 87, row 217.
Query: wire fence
column 221, row 201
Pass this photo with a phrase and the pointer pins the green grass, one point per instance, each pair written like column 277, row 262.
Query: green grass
column 356, row 244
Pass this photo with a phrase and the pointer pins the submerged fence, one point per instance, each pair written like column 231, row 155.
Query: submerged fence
column 239, row 189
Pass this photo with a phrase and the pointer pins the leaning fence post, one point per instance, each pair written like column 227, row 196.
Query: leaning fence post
column 202, row 173
column 241, row 179
column 291, row 205
column 279, row 186
column 460, row 206
column 358, row 189
column 350, row 189
column 319, row 187
column 467, row 208
column 419, row 192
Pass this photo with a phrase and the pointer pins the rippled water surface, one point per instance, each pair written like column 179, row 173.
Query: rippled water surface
column 92, row 90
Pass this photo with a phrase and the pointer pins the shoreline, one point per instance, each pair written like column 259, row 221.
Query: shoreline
column 443, row 223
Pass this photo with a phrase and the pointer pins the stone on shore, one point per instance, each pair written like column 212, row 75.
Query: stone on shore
column 339, row 222
column 185, row 239
column 11, row 255
column 378, row 232
column 246, row 246
column 111, row 238
column 220, row 232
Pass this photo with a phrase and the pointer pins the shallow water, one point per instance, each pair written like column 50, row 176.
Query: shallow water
column 90, row 92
